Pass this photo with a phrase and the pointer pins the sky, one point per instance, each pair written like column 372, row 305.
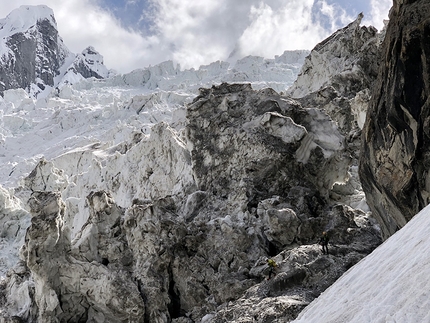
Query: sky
column 389, row 285
column 133, row 34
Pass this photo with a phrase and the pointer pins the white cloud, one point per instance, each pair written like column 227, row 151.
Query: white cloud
column 81, row 23
column 271, row 30
column 300, row 24
column 200, row 32
column 336, row 15
column 379, row 12
column 197, row 32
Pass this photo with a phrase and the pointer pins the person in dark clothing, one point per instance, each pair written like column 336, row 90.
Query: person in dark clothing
column 272, row 265
column 324, row 242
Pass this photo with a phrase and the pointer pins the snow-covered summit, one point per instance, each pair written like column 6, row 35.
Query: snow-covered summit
column 84, row 111
column 94, row 60
column 25, row 17
column 33, row 56
column 87, row 64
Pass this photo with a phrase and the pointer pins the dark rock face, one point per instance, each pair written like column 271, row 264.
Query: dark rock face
column 35, row 58
column 89, row 64
column 151, row 265
column 250, row 145
column 395, row 157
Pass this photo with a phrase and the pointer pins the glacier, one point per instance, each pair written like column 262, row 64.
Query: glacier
column 106, row 162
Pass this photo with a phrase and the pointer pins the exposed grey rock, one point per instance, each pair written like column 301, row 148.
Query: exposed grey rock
column 302, row 273
column 337, row 77
column 17, row 296
column 249, row 145
column 395, row 153
column 280, row 222
column 197, row 268
column 69, row 288
column 89, row 64
column 45, row 177
column 35, row 56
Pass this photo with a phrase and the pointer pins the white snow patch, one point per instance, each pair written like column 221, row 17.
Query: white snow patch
column 389, row 285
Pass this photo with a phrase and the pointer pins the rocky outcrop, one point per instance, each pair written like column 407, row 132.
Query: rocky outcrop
column 249, row 145
column 336, row 78
column 152, row 264
column 87, row 281
column 13, row 223
column 90, row 64
column 394, row 161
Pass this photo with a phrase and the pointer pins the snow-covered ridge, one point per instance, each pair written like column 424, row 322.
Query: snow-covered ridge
column 34, row 57
column 278, row 73
column 341, row 66
column 68, row 68
column 86, row 101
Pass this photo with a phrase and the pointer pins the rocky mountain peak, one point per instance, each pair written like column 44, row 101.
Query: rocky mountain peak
column 34, row 56
column 87, row 64
column 90, row 64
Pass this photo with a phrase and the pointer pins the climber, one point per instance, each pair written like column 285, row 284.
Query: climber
column 324, row 242
column 272, row 265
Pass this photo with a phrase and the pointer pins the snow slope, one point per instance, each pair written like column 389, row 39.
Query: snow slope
column 389, row 285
